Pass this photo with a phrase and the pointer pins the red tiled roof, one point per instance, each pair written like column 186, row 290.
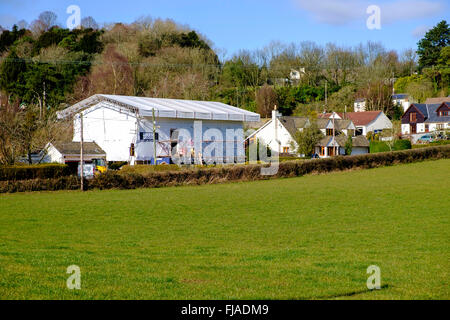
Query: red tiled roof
column 358, row 118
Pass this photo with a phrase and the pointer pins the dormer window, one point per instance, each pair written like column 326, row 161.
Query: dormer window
column 443, row 114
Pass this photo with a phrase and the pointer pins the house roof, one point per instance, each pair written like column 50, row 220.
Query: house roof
column 438, row 100
column 432, row 114
column 429, row 111
column 166, row 108
column 341, row 140
column 358, row 118
column 292, row 124
column 73, row 148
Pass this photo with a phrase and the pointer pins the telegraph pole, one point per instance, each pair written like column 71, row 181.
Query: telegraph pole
column 81, row 152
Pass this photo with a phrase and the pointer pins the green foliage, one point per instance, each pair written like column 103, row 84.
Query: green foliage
column 12, row 71
column 7, row 38
column 145, row 169
column 402, row 145
column 28, row 80
column 308, row 138
column 349, row 146
column 429, row 48
column 150, row 45
column 381, row 146
column 290, row 97
column 431, row 144
column 27, row 172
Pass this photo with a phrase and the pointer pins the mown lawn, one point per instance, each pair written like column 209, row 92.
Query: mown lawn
column 311, row 237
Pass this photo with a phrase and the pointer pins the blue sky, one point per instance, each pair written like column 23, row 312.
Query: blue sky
column 251, row 24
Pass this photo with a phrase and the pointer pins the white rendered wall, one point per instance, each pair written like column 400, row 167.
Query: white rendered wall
column 114, row 130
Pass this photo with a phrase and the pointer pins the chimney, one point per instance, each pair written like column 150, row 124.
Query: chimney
column 275, row 113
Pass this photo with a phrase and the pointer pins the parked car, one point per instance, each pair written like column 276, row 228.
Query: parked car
column 425, row 138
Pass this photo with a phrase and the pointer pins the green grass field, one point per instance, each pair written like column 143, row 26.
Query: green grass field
column 311, row 237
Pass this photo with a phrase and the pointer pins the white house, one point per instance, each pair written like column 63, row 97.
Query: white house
column 128, row 128
column 359, row 105
column 279, row 135
column 368, row 121
column 420, row 119
column 402, row 100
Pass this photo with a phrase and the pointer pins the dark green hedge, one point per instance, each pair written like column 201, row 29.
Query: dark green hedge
column 112, row 179
column 27, row 172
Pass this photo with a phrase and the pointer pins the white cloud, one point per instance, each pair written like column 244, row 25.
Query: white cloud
column 343, row 12
column 420, row 31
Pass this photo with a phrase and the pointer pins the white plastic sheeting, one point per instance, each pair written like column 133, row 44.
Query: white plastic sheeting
column 168, row 108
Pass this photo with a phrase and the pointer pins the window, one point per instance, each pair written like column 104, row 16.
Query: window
column 322, row 151
column 412, row 117
column 285, row 149
column 148, row 136
column 427, row 128
column 329, row 132
column 443, row 113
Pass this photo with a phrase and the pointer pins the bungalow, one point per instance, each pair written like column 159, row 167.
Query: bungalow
column 279, row 135
column 368, row 121
column 69, row 153
column 423, row 118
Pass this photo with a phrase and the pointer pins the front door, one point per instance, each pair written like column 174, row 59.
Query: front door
column 413, row 128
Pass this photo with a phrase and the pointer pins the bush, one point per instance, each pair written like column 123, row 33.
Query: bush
column 38, row 171
column 402, row 145
column 196, row 176
column 378, row 146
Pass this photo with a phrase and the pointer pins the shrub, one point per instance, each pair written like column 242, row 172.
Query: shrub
column 378, row 146
column 402, row 145
column 27, row 172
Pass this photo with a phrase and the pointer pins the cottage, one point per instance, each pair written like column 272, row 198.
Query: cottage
column 136, row 129
column 368, row 121
column 331, row 146
column 424, row 118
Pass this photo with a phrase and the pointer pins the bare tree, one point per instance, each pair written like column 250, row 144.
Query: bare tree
column 48, row 19
column 89, row 22
column 22, row 24
column 266, row 99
